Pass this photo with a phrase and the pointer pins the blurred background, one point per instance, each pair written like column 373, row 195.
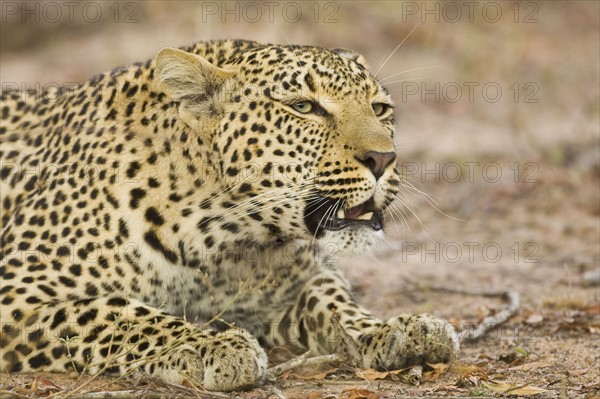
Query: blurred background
column 498, row 124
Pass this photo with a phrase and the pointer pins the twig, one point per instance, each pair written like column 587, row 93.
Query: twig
column 303, row 360
column 509, row 390
column 71, row 394
column 276, row 371
column 415, row 375
column 126, row 394
column 11, row 394
column 142, row 393
column 197, row 392
column 512, row 299
column 344, row 382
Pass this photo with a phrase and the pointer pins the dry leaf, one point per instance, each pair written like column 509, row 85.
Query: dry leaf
column 466, row 370
column 321, row 375
column 400, row 375
column 530, row 366
column 188, row 384
column 41, row 384
column 372, row 375
column 513, row 389
column 359, row 393
column 437, row 370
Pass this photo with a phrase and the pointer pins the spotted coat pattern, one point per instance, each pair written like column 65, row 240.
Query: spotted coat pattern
column 176, row 190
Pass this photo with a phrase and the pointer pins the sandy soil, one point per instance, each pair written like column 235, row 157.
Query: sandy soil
column 511, row 181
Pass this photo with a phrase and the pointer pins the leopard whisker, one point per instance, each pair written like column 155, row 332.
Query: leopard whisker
column 429, row 199
column 323, row 218
column 407, row 80
column 396, row 49
column 382, row 80
column 409, row 206
column 396, row 214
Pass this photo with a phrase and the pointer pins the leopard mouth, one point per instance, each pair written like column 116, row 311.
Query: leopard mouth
column 325, row 213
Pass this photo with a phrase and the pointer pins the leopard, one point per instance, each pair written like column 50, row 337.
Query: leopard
column 177, row 218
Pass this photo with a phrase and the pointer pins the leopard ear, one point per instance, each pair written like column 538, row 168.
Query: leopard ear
column 191, row 80
column 351, row 55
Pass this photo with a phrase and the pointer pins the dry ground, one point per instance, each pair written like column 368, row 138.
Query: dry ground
column 533, row 229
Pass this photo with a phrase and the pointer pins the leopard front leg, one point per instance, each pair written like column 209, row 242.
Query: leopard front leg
column 397, row 343
column 408, row 340
column 120, row 336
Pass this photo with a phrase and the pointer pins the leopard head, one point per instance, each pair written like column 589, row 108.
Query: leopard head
column 301, row 138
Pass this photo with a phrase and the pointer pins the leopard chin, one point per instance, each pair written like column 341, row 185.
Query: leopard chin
column 351, row 241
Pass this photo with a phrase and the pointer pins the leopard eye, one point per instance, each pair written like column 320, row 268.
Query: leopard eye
column 304, row 107
column 379, row 108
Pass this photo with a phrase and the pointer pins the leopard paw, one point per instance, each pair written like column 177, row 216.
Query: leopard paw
column 409, row 340
column 234, row 359
column 226, row 361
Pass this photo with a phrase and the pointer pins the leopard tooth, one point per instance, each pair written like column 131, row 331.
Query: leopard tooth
column 366, row 216
column 340, row 214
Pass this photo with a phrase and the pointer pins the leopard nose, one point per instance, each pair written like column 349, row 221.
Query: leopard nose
column 377, row 161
